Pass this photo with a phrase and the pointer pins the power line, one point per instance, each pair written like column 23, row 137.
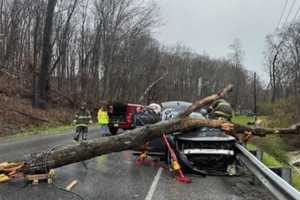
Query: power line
column 282, row 13
column 290, row 10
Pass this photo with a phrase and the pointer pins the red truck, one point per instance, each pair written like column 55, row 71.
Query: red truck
column 121, row 116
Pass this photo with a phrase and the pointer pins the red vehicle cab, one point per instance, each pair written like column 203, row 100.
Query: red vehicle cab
column 121, row 116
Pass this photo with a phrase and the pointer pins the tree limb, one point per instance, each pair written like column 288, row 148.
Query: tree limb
column 207, row 100
column 30, row 116
column 148, row 89
column 262, row 132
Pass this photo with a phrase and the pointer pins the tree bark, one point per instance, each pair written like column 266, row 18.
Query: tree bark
column 262, row 132
column 128, row 140
column 46, row 56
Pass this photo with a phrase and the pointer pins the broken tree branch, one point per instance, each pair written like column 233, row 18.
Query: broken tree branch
column 5, row 70
column 206, row 101
column 30, row 116
column 63, row 94
column 148, row 89
column 262, row 132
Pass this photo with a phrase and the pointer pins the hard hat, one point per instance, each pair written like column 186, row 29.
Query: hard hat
column 155, row 107
column 83, row 105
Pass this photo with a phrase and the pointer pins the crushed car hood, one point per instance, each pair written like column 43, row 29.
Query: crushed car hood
column 205, row 134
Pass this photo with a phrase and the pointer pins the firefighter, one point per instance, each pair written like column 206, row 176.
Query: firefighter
column 82, row 119
column 221, row 109
column 103, row 120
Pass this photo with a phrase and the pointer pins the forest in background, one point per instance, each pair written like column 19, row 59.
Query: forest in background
column 97, row 50
column 57, row 54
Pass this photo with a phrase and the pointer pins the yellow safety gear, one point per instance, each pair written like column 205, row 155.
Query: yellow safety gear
column 175, row 165
column 143, row 156
column 220, row 113
column 103, row 117
column 4, row 178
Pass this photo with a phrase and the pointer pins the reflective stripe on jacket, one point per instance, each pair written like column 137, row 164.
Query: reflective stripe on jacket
column 103, row 117
column 82, row 118
column 222, row 108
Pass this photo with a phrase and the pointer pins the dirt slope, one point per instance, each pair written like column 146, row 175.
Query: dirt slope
column 16, row 113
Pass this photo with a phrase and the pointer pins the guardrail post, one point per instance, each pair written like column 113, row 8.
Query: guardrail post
column 259, row 155
column 280, row 189
column 284, row 172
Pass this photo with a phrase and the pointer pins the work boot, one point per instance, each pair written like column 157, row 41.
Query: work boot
column 76, row 139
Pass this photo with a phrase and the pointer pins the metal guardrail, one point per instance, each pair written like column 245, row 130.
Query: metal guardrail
column 275, row 184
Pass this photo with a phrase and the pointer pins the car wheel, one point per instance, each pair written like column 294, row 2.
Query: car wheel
column 113, row 130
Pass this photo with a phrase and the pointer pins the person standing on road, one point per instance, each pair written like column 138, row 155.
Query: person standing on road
column 82, row 119
column 103, row 120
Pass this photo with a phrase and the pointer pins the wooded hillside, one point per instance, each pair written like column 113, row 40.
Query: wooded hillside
column 105, row 50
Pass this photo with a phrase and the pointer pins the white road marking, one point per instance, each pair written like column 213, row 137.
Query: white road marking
column 154, row 184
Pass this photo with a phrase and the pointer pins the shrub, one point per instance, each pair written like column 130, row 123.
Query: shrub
column 282, row 113
column 275, row 146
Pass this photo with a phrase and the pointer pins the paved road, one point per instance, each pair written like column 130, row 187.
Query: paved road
column 115, row 176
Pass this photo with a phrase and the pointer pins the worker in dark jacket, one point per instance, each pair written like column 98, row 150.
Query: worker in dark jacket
column 82, row 119
column 221, row 109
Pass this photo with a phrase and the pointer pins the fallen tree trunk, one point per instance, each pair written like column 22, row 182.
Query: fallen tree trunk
column 64, row 155
column 128, row 140
column 131, row 139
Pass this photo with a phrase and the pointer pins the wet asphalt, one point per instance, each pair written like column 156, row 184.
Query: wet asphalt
column 115, row 176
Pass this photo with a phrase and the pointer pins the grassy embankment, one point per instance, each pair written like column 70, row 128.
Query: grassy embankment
column 38, row 130
column 273, row 148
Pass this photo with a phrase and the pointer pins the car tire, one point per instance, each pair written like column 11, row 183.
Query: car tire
column 113, row 130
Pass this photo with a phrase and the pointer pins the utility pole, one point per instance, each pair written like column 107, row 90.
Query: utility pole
column 2, row 46
column 199, row 86
column 254, row 97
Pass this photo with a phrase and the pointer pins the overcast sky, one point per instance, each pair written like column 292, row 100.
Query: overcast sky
column 210, row 26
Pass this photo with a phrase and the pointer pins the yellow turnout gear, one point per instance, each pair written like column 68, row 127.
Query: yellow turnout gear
column 103, row 117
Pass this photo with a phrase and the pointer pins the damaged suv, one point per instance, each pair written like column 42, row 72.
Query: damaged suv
column 202, row 149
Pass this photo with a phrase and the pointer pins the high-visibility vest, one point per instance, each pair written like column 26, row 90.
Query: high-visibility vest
column 103, row 117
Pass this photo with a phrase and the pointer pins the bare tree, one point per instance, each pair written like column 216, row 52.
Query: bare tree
column 237, row 57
